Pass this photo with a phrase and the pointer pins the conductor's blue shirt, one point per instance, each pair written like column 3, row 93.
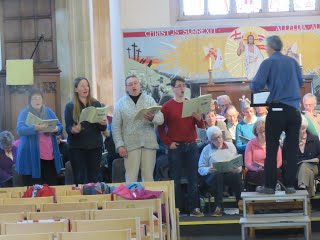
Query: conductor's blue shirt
column 283, row 78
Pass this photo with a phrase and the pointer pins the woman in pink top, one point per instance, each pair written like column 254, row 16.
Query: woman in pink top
column 255, row 155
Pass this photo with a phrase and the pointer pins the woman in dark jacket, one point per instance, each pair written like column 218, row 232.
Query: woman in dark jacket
column 85, row 138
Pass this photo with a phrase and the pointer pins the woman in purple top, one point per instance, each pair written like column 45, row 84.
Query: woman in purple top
column 8, row 155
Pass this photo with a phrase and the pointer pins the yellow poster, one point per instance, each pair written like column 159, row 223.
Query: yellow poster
column 20, row 72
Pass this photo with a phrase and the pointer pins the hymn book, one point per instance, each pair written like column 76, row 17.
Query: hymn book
column 227, row 166
column 93, row 114
column 244, row 140
column 34, row 120
column 312, row 160
column 201, row 104
column 152, row 109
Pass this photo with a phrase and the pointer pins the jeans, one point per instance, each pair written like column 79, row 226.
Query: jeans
column 186, row 158
column 282, row 117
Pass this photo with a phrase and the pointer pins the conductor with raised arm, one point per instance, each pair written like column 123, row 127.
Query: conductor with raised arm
column 282, row 76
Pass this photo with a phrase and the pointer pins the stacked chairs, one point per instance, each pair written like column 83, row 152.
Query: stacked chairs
column 70, row 215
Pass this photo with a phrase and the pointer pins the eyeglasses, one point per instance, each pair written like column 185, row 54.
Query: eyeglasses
column 180, row 86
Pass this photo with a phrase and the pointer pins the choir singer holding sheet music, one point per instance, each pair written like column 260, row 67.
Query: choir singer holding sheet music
column 135, row 138
column 38, row 158
column 180, row 135
column 282, row 76
column 84, row 139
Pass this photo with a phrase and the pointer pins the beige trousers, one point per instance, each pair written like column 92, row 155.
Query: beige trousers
column 305, row 175
column 141, row 158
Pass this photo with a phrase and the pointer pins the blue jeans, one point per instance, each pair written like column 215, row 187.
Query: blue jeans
column 185, row 159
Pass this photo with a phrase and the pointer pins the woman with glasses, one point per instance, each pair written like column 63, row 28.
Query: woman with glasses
column 219, row 151
column 134, row 137
column 38, row 159
column 8, row 156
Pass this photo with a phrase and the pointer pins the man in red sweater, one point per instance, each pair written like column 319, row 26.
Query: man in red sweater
column 180, row 135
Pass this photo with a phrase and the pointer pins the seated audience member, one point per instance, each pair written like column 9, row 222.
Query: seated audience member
column 232, row 121
column 223, row 102
column 244, row 130
column 218, row 151
column 256, row 154
column 213, row 105
column 312, row 116
column 8, row 155
column 309, row 149
column 261, row 112
column 211, row 120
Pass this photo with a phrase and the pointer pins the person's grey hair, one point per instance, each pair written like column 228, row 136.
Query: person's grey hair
column 213, row 131
column 230, row 108
column 226, row 97
column 258, row 124
column 244, row 104
column 304, row 121
column 274, row 42
column 6, row 139
column 310, row 95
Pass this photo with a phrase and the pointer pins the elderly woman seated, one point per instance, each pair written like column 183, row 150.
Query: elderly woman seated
column 219, row 151
column 8, row 155
column 308, row 157
column 256, row 154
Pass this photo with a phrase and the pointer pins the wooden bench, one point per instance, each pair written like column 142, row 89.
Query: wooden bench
column 35, row 236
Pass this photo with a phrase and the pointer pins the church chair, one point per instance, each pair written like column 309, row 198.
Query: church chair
column 108, row 224
column 145, row 215
column 34, row 227
column 57, row 215
column 21, row 201
column 50, row 207
column 35, row 236
column 155, row 204
column 18, row 208
column 96, row 235
column 85, row 198
column 12, row 217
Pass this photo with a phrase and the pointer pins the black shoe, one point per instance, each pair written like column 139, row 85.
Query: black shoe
column 290, row 190
column 265, row 190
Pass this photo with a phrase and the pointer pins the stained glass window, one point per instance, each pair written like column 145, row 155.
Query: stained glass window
column 304, row 5
column 279, row 5
column 216, row 7
column 193, row 7
column 248, row 6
